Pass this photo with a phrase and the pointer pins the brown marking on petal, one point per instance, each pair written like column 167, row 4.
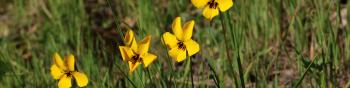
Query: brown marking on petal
column 181, row 45
column 135, row 58
column 212, row 4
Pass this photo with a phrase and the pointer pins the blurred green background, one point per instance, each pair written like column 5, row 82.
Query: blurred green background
column 280, row 43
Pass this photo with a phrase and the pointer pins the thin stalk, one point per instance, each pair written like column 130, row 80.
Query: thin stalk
column 324, row 79
column 115, row 18
column 170, row 62
column 234, row 38
column 241, row 75
column 227, row 48
column 226, row 39
column 189, row 58
column 124, row 74
column 140, row 74
column 216, row 79
column 191, row 73
column 302, row 77
column 149, row 76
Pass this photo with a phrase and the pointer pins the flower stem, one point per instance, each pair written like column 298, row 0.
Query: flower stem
column 149, row 76
column 169, row 63
column 241, row 75
column 190, row 61
column 191, row 73
column 303, row 76
column 216, row 78
column 125, row 75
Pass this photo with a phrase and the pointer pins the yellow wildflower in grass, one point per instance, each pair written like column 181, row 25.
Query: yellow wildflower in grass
column 212, row 7
column 65, row 71
column 181, row 41
column 135, row 53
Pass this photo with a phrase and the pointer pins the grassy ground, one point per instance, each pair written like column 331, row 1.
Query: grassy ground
column 280, row 43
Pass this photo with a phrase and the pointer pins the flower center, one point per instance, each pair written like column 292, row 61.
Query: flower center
column 181, row 45
column 212, row 4
column 69, row 73
column 135, row 58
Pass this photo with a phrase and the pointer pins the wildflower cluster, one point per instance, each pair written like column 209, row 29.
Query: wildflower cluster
column 179, row 43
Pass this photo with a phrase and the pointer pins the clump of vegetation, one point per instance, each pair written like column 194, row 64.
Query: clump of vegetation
column 225, row 43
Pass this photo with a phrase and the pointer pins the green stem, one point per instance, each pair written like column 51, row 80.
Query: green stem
column 191, row 74
column 241, row 75
column 140, row 74
column 115, row 19
column 124, row 74
column 149, row 76
column 302, row 77
column 170, row 63
column 216, row 79
column 190, row 61
column 324, row 82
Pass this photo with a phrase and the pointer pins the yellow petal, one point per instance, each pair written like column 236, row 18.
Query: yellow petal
column 132, row 66
column 129, row 36
column 80, row 78
column 225, row 5
column 176, row 26
column 130, row 40
column 177, row 54
column 70, row 61
column 143, row 46
column 65, row 82
column 210, row 13
column 199, row 3
column 56, row 72
column 148, row 59
column 170, row 40
column 58, row 61
column 123, row 52
column 126, row 52
column 192, row 47
column 187, row 30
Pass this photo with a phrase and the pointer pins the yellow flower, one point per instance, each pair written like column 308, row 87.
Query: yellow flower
column 181, row 41
column 136, row 54
column 65, row 71
column 212, row 7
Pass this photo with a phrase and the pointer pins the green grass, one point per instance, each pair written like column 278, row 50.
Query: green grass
column 280, row 43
